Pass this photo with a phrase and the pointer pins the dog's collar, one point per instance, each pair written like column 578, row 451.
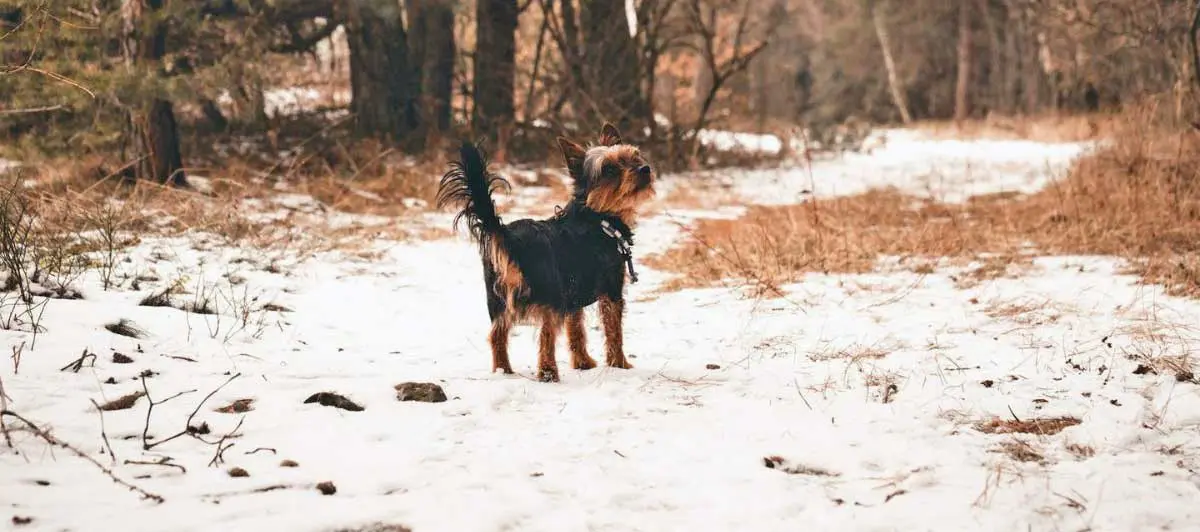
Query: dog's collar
column 624, row 244
column 613, row 228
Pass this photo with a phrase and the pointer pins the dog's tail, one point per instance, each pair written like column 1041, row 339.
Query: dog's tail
column 469, row 185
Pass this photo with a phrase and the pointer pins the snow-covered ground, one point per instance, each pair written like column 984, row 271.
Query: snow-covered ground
column 862, row 391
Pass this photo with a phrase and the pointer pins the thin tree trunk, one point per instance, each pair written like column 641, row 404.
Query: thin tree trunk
column 964, row 62
column 890, row 63
column 1193, row 47
column 995, row 67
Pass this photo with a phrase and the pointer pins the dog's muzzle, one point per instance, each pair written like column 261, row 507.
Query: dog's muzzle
column 645, row 176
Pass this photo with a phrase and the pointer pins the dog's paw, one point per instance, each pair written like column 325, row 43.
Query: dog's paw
column 548, row 374
column 585, row 364
column 507, row 370
column 621, row 364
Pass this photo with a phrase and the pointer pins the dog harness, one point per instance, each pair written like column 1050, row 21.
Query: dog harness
column 624, row 246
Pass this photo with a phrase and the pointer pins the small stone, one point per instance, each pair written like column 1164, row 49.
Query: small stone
column 425, row 392
column 1184, row 376
column 988, row 383
column 289, row 463
column 121, row 358
column 712, row 366
column 110, row 380
column 334, row 400
column 20, row 520
column 238, row 472
column 326, row 488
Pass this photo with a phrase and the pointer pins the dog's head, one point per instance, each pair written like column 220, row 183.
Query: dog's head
column 612, row 177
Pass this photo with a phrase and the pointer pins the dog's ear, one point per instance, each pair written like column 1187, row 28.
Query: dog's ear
column 609, row 136
column 573, row 154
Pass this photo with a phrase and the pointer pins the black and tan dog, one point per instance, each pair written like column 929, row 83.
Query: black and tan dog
column 549, row 270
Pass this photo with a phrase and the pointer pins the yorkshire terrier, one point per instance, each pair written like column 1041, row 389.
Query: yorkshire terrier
column 549, row 270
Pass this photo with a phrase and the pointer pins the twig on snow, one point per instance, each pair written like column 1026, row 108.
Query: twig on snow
column 49, row 438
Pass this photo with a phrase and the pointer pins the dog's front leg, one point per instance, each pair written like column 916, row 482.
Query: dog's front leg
column 547, row 365
column 577, row 341
column 612, row 312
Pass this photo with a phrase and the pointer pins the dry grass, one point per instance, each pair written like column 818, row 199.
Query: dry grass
column 1039, row 426
column 1021, row 451
column 1137, row 199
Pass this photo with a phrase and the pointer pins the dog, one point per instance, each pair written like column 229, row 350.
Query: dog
column 547, row 271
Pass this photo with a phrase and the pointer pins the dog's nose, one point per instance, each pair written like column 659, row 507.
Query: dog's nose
column 644, row 170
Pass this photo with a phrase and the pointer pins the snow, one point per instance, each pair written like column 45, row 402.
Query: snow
column 668, row 445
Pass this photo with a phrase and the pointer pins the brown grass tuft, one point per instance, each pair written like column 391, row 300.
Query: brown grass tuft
column 1039, row 426
column 1080, row 451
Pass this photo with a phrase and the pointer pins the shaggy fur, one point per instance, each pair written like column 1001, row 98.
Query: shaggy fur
column 548, row 271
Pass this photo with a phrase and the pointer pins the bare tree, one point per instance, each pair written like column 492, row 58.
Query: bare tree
column 382, row 88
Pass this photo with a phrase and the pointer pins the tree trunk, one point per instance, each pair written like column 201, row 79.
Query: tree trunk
column 889, row 63
column 381, row 86
column 612, row 70
column 436, row 60
column 964, row 62
column 494, row 77
column 995, row 79
column 152, row 142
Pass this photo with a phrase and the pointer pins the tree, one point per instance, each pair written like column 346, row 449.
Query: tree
column 889, row 62
column 964, row 62
column 494, row 76
column 432, row 47
column 382, row 88
column 153, row 139
column 611, row 67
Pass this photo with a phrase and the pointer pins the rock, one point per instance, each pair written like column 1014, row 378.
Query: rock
column 425, row 392
column 712, row 366
column 120, row 358
column 289, row 463
column 326, row 488
column 334, row 400
column 238, row 472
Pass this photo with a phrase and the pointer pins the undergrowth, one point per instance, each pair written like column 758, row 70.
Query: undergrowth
column 1137, row 197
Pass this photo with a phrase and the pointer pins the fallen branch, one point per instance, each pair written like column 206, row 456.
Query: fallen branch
column 188, row 430
column 50, row 439
column 77, row 364
column 164, row 462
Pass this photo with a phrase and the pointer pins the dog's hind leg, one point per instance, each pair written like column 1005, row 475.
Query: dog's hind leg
column 547, row 366
column 577, row 341
column 498, row 338
column 612, row 312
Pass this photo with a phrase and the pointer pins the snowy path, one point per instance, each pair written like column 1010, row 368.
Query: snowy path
column 867, row 385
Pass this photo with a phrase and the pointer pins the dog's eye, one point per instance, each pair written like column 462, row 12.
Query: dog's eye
column 609, row 170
